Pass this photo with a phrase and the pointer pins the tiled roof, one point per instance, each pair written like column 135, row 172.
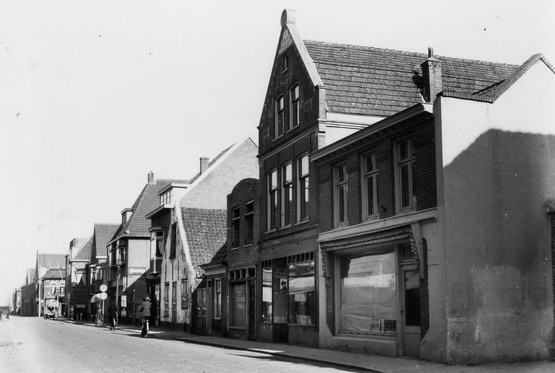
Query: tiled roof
column 51, row 261
column 85, row 251
column 206, row 231
column 380, row 82
column 103, row 233
column 220, row 256
column 137, row 225
column 55, row 274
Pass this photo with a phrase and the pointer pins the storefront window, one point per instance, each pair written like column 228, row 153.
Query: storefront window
column 238, row 305
column 301, row 293
column 368, row 294
column 266, row 315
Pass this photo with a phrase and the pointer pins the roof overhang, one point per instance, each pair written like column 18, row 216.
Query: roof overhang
column 416, row 112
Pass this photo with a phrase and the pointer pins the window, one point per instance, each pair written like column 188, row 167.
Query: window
column 235, row 226
column 340, row 195
column 249, row 222
column 121, row 254
column 272, row 200
column 217, row 298
column 173, row 242
column 369, row 186
column 294, row 107
column 165, row 198
column 287, row 194
column 266, row 316
column 238, row 303
column 302, row 188
column 368, row 294
column 184, row 294
column 156, row 250
column 167, row 299
column 302, row 305
column 285, row 61
column 280, row 116
column 405, row 181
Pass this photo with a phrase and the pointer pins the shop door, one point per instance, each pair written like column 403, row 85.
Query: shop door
column 201, row 310
column 411, row 312
column 251, row 331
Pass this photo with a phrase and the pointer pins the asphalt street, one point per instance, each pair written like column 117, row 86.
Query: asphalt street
column 36, row 345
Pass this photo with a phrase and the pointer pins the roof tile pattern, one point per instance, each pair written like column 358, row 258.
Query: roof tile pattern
column 84, row 253
column 138, row 225
column 51, row 261
column 380, row 82
column 103, row 233
column 206, row 232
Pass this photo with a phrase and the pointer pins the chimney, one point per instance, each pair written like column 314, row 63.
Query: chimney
column 151, row 179
column 204, row 162
column 431, row 73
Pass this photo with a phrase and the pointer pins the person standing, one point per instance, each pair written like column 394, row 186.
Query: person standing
column 113, row 315
column 145, row 311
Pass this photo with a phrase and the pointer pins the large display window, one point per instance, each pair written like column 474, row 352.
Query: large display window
column 238, row 302
column 368, row 293
column 301, row 293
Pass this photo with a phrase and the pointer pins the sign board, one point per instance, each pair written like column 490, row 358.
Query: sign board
column 136, row 270
column 103, row 288
column 103, row 296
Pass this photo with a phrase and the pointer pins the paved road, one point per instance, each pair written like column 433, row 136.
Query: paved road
column 37, row 345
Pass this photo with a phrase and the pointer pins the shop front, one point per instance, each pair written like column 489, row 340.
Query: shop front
column 288, row 307
column 373, row 293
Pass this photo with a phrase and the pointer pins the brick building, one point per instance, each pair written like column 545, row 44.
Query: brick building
column 190, row 228
column 242, row 259
column 424, row 231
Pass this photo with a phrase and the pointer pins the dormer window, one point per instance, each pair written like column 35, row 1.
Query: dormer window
column 165, row 198
column 294, row 107
column 279, row 116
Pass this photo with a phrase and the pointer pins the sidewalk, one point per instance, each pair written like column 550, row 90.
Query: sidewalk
column 338, row 359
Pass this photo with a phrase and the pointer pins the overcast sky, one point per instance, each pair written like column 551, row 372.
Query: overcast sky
column 95, row 94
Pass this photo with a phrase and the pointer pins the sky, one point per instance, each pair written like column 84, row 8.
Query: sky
column 96, row 94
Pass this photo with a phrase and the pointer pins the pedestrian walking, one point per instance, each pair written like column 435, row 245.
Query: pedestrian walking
column 113, row 315
column 145, row 311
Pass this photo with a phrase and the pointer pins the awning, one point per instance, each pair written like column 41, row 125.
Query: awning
column 365, row 240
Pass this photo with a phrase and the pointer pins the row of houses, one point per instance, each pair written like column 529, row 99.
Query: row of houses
column 397, row 203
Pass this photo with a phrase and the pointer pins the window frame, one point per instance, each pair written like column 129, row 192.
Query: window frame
column 409, row 163
column 272, row 200
column 340, row 201
column 367, row 177
column 303, row 188
column 235, row 227
column 286, row 194
column 217, row 299
column 279, row 113
column 248, row 237
column 173, row 242
column 294, row 106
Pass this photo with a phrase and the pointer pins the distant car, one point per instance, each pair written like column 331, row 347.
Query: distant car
column 48, row 314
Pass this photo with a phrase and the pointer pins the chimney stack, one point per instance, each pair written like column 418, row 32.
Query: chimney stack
column 151, row 179
column 204, row 162
column 431, row 73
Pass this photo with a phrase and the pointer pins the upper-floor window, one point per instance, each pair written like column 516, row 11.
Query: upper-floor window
column 404, row 175
column 340, row 194
column 173, row 241
column 285, row 61
column 235, row 226
column 369, row 186
column 165, row 198
column 302, row 188
column 287, row 193
column 279, row 116
column 272, row 200
column 294, row 106
column 249, row 222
